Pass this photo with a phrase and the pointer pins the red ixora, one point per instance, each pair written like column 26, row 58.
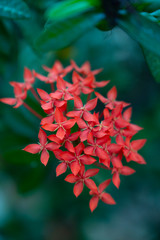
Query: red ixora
column 83, row 137
column 43, row 146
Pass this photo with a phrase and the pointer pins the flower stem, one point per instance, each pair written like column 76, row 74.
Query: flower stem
column 35, row 94
column 101, row 115
column 32, row 111
column 89, row 97
column 100, row 165
column 52, row 87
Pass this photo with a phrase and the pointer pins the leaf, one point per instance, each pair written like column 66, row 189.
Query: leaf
column 146, row 32
column 61, row 34
column 16, row 9
column 29, row 32
column 156, row 13
column 153, row 61
column 147, row 5
column 70, row 8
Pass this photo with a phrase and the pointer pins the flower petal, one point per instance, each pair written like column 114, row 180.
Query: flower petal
column 43, row 94
column 112, row 94
column 127, row 171
column 138, row 144
column 71, row 178
column 42, row 136
column 61, row 133
column 78, row 188
column 75, row 167
column 116, row 179
column 32, row 148
column 104, row 184
column 61, row 168
column 90, row 105
column 93, row 203
column 85, row 159
column 9, row 101
column 69, row 124
column 79, row 149
column 91, row 172
column 52, row 146
column 107, row 198
column 44, row 157
column 90, row 184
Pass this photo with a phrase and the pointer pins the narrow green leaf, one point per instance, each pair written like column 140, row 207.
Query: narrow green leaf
column 61, row 34
column 146, row 32
column 156, row 13
column 70, row 8
column 16, row 9
column 154, row 63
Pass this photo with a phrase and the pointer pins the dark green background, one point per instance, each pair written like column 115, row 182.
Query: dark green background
column 34, row 204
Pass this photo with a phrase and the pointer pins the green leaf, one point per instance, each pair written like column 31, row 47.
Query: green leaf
column 16, row 9
column 156, row 13
column 146, row 32
column 61, row 34
column 154, row 63
column 147, row 5
column 70, row 8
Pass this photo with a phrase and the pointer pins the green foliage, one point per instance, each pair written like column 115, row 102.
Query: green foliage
column 146, row 32
column 147, row 5
column 62, row 33
column 153, row 61
column 70, row 8
column 16, row 9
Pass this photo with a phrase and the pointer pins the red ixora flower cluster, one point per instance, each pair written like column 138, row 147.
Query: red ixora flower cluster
column 81, row 137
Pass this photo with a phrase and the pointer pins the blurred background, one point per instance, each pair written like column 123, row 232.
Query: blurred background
column 34, row 204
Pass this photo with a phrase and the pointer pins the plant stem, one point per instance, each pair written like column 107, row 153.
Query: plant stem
column 89, row 97
column 100, row 165
column 52, row 87
column 101, row 115
column 32, row 111
column 35, row 94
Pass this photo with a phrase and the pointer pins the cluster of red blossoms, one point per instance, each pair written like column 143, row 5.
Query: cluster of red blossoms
column 82, row 136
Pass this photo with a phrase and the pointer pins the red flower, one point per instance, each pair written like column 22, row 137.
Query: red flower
column 61, row 124
column 20, row 95
column 62, row 166
column 110, row 102
column 64, row 90
column 86, row 129
column 83, row 111
column 85, row 68
column 29, row 80
column 130, row 149
column 92, row 83
column 95, row 147
column 48, row 102
column 106, row 135
column 118, row 169
column 81, row 179
column 42, row 147
column 100, row 194
column 57, row 70
column 81, row 84
column 76, row 158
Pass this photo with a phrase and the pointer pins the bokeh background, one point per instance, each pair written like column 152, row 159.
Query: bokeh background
column 34, row 204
